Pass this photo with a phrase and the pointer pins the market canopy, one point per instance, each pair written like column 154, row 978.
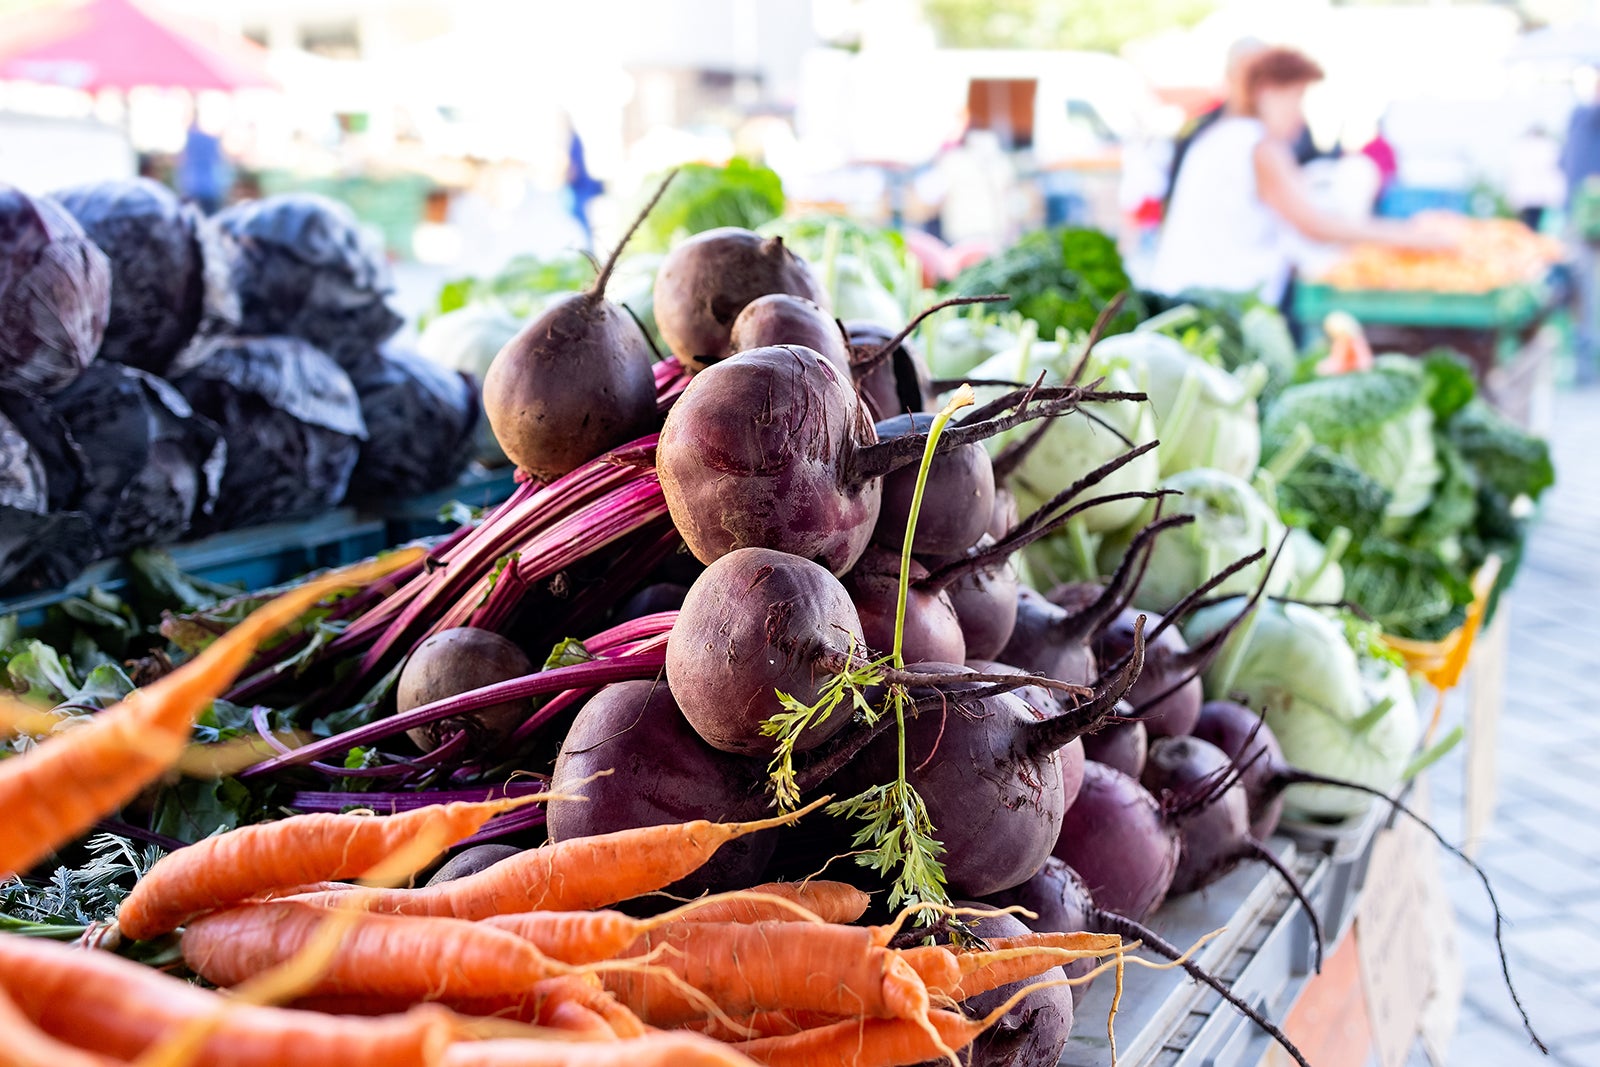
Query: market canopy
column 113, row 44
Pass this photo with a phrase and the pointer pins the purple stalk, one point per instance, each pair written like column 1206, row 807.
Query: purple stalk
column 394, row 803
column 512, row 821
column 645, row 626
column 578, row 676
column 139, row 833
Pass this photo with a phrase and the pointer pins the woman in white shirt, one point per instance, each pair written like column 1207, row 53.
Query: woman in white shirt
column 1240, row 195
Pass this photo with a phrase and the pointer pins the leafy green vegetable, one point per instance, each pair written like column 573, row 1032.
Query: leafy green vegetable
column 1059, row 278
column 522, row 287
column 1509, row 460
column 703, row 197
column 193, row 808
column 1411, row 592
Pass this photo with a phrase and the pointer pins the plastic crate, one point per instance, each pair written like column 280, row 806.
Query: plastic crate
column 1509, row 307
column 1348, row 848
column 1404, row 201
column 251, row 558
column 418, row 517
column 1264, row 953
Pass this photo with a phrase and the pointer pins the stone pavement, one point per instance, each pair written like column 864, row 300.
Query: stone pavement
column 1543, row 852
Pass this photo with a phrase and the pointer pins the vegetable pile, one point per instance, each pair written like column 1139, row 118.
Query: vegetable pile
column 168, row 376
column 775, row 602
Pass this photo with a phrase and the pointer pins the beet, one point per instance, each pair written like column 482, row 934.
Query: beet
column 1200, row 791
column 985, row 603
column 783, row 319
column 456, row 661
column 576, row 382
column 756, row 453
column 1118, row 838
column 1122, row 745
column 891, row 383
column 991, row 770
column 1167, row 695
column 758, row 622
column 1246, row 738
column 472, row 860
column 958, row 497
column 662, row 773
column 707, row 280
column 932, row 631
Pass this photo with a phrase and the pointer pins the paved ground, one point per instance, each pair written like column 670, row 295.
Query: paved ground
column 1544, row 850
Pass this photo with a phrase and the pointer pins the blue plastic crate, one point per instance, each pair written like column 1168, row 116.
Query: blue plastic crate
column 418, row 517
column 1403, row 201
column 254, row 557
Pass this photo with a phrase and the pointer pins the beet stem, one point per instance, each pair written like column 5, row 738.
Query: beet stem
column 1097, row 331
column 1298, row 777
column 1012, row 455
column 1256, row 850
column 1133, row 930
column 597, row 291
column 877, row 355
column 1184, row 606
column 1047, row 735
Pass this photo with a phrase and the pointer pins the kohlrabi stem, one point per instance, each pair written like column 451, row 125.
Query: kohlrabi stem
column 1083, row 547
column 963, row 397
column 1030, row 333
column 1293, row 451
column 1182, row 409
column 1332, row 551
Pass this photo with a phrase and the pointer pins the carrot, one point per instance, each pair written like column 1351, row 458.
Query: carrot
column 746, row 967
column 539, row 1004
column 57, row 790
column 27, row 1046
column 879, row 1042
column 1014, row 959
column 119, row 1009
column 252, row 860
column 865, row 1042
column 592, row 936
column 576, row 875
column 761, row 1024
column 832, row 902
column 383, row 955
column 653, row 1050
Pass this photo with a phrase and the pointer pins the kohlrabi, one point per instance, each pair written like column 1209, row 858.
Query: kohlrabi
column 1231, row 521
column 1204, row 416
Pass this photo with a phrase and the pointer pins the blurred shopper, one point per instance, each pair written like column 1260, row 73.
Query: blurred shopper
column 1535, row 184
column 1381, row 151
column 204, row 175
column 1233, row 103
column 972, row 183
column 582, row 187
column 1241, row 195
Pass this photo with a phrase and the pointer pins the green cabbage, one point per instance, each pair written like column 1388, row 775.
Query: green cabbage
column 1379, row 420
column 467, row 340
column 1231, row 521
column 1204, row 416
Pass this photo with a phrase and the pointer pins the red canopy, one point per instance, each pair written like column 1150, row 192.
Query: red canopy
column 112, row 44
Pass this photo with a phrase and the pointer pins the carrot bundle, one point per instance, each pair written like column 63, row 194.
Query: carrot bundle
column 95, row 768
column 254, row 860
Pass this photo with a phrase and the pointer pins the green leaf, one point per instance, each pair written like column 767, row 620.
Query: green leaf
column 569, row 652
column 38, row 671
column 1508, row 459
column 161, row 581
column 1450, row 383
column 1410, row 592
column 195, row 808
column 104, row 686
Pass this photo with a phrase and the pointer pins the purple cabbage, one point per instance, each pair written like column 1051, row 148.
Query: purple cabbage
column 55, row 294
column 292, row 422
column 421, row 423
column 171, row 285
column 305, row 269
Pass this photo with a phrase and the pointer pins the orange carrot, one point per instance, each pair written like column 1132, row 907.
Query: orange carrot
column 56, row 791
column 1015, row 959
column 252, row 860
column 866, row 1042
column 760, row 1024
column 576, row 875
column 653, row 1050
column 117, row 1008
column 537, row 1005
column 574, row 936
column 382, row 955
column 832, row 902
column 746, row 967
column 25, row 1045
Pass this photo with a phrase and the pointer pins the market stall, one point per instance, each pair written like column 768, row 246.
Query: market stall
column 1106, row 604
